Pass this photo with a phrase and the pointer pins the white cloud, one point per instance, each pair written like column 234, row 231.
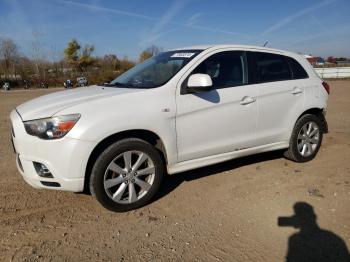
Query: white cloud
column 157, row 31
column 168, row 18
column 194, row 19
column 280, row 24
column 96, row 8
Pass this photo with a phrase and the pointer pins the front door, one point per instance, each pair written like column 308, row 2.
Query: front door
column 222, row 120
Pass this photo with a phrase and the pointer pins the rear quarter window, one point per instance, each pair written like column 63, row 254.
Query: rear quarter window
column 298, row 70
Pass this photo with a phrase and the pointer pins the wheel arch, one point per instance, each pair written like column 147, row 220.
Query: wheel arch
column 143, row 134
column 319, row 112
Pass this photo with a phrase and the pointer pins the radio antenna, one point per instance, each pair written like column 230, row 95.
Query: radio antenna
column 265, row 43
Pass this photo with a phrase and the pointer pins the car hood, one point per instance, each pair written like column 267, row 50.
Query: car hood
column 49, row 105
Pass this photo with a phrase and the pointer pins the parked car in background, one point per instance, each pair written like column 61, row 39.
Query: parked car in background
column 26, row 84
column 6, row 86
column 179, row 110
column 68, row 84
column 82, row 81
column 43, row 84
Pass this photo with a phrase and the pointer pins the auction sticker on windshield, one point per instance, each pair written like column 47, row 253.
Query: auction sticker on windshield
column 183, row 55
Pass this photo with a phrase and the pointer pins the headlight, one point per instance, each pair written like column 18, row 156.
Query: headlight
column 51, row 128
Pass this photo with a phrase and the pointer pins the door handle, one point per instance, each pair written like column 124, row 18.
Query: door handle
column 296, row 90
column 247, row 100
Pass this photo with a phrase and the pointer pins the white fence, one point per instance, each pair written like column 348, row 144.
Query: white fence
column 333, row 72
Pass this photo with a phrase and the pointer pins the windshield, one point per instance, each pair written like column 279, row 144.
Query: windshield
column 155, row 71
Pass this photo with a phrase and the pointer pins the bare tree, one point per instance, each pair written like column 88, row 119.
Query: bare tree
column 38, row 55
column 56, row 64
column 8, row 53
column 154, row 50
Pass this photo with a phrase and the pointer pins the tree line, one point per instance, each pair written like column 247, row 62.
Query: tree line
column 53, row 68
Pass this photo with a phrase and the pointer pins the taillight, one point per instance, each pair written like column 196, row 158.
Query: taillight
column 326, row 86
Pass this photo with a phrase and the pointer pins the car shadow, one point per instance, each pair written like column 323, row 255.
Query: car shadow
column 312, row 243
column 171, row 182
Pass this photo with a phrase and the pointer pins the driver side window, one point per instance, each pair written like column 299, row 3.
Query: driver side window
column 226, row 69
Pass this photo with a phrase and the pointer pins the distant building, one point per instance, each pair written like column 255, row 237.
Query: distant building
column 343, row 62
column 11, row 77
column 315, row 61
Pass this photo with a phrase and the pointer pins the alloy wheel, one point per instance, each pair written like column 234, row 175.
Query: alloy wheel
column 129, row 177
column 308, row 139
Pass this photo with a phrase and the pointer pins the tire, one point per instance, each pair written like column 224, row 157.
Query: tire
column 304, row 143
column 119, row 186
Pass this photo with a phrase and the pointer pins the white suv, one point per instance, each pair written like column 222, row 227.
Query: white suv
column 177, row 111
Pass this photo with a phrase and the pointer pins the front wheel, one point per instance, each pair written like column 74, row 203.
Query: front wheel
column 126, row 175
column 306, row 139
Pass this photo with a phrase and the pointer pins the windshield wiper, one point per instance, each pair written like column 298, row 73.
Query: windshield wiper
column 118, row 84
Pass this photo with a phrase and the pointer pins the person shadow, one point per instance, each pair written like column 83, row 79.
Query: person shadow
column 312, row 243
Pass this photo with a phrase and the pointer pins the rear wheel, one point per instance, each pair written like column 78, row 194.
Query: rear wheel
column 126, row 175
column 306, row 139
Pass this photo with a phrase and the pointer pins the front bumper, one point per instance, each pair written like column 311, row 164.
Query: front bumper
column 65, row 158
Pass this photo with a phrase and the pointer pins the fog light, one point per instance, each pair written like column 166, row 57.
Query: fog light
column 42, row 170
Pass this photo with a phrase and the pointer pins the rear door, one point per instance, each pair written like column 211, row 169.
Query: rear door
column 280, row 97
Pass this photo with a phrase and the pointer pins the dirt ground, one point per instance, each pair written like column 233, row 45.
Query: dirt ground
column 226, row 212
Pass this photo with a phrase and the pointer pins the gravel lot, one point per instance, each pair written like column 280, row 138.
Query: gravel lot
column 226, row 212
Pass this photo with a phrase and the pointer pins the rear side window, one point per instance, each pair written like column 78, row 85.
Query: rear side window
column 297, row 70
column 226, row 69
column 272, row 67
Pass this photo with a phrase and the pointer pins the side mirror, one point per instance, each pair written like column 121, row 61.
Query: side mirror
column 199, row 83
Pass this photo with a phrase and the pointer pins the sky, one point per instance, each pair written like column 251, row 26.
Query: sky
column 317, row 27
